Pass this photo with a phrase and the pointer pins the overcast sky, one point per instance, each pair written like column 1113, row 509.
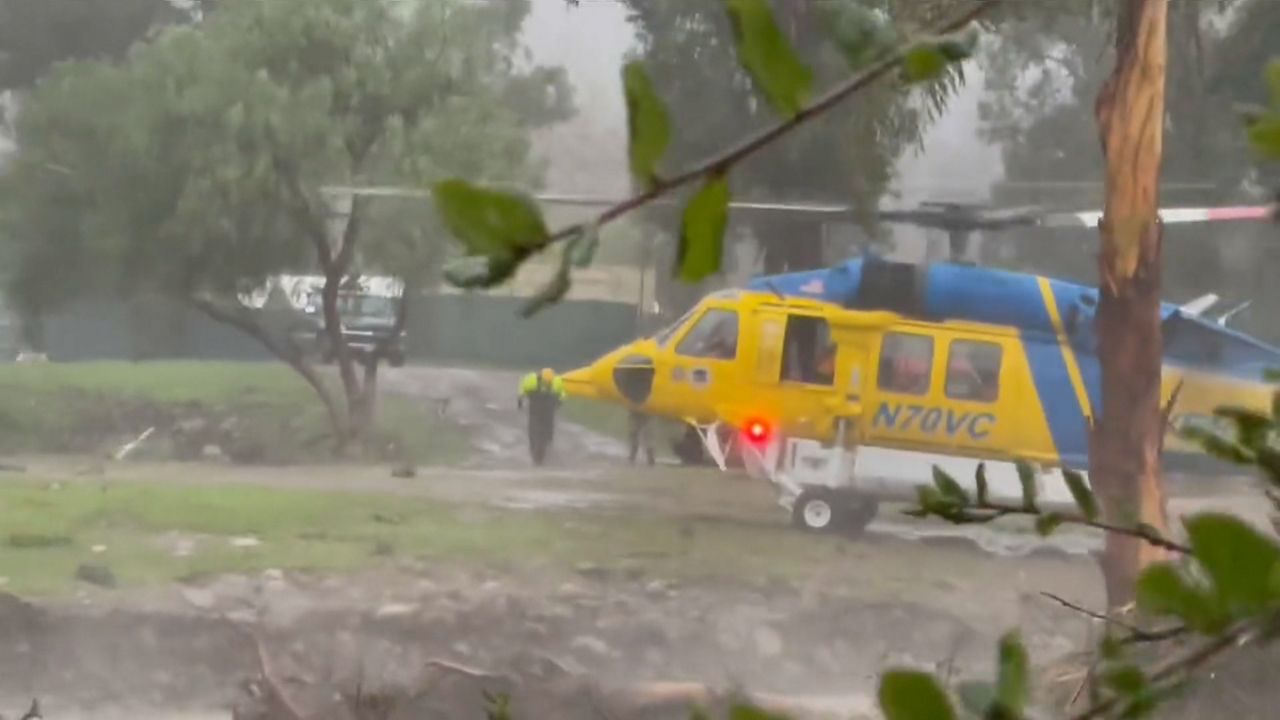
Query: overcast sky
column 588, row 153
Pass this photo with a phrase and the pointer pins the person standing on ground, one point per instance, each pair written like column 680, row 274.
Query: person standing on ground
column 544, row 391
column 640, row 433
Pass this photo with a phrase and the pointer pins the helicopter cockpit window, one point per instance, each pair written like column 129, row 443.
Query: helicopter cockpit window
column 809, row 354
column 973, row 371
column 665, row 334
column 906, row 361
column 714, row 335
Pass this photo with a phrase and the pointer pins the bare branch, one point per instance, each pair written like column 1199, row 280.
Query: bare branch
column 1136, row 634
column 285, row 350
column 1182, row 665
column 278, row 695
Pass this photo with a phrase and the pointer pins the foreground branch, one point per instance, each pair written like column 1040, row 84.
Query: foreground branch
column 1136, row 634
column 999, row 510
column 1180, row 666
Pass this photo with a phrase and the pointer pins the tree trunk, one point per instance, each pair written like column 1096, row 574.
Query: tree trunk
column 1127, row 439
column 335, row 268
column 287, row 353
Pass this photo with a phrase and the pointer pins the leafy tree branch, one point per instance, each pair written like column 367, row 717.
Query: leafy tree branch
column 947, row 500
column 500, row 230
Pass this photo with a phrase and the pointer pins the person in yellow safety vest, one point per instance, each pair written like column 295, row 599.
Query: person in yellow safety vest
column 544, row 391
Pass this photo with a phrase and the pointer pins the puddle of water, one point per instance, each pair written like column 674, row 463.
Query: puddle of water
column 997, row 541
column 552, row 500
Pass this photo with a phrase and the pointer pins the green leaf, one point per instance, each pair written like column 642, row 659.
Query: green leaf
column 980, row 478
column 1251, row 426
column 768, row 57
column 927, row 59
column 1273, row 81
column 1162, row 590
column 750, row 712
column 1048, row 522
column 1239, row 559
column 583, row 246
column 555, row 289
column 948, row 486
column 1264, row 135
column 1124, row 678
column 490, row 222
column 929, row 498
column 976, row 696
column 1216, row 445
column 648, row 125
column 913, row 695
column 863, row 34
column 1013, row 677
column 1084, row 497
column 476, row 271
column 1027, row 478
column 702, row 231
column 923, row 62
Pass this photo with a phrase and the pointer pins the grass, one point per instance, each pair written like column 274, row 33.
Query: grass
column 604, row 418
column 50, row 529
column 95, row 406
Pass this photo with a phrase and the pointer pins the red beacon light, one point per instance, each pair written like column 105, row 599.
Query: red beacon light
column 757, row 431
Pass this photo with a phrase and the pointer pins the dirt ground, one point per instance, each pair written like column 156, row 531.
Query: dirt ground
column 908, row 592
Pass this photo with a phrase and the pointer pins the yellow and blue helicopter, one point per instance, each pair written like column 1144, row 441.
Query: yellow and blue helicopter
column 845, row 384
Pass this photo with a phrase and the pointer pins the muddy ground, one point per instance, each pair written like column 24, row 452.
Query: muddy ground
column 908, row 592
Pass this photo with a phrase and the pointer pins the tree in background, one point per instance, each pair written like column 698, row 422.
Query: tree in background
column 37, row 34
column 193, row 169
column 848, row 155
column 1044, row 70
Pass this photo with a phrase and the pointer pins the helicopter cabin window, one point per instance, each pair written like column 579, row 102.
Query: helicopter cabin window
column 906, row 361
column 973, row 371
column 713, row 336
column 808, row 354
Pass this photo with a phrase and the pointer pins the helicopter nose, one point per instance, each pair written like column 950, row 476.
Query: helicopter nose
column 582, row 383
column 621, row 376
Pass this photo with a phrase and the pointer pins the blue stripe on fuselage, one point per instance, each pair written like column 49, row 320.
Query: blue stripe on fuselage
column 1058, row 400
column 1068, row 295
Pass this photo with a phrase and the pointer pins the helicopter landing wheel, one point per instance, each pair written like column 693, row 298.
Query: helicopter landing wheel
column 818, row 510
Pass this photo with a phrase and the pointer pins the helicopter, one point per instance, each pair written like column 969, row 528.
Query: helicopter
column 1022, row 343
column 846, row 385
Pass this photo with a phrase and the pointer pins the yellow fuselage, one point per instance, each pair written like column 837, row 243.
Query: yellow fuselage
column 950, row 387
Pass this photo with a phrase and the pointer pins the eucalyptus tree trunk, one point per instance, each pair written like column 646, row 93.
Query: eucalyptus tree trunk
column 1127, row 438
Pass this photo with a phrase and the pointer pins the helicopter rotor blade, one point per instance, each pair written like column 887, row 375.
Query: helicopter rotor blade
column 937, row 215
column 1169, row 216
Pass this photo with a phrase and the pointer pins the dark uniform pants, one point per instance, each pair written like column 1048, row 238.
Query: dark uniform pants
column 542, row 423
column 640, row 434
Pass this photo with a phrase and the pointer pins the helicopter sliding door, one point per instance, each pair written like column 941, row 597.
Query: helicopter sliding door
column 796, row 366
column 944, row 392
